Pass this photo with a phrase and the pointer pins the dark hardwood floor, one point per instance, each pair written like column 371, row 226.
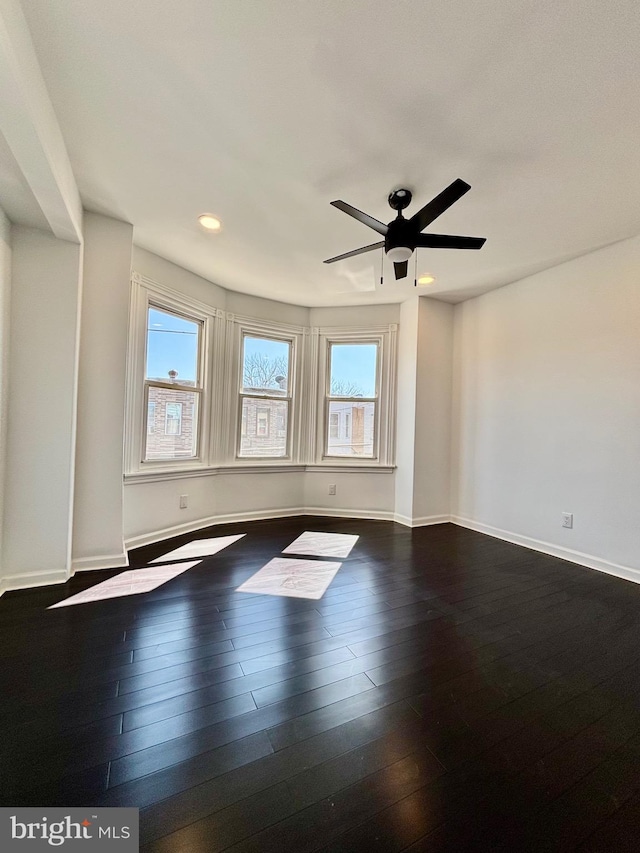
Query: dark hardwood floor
column 449, row 692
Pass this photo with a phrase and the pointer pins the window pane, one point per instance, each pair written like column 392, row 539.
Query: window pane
column 264, row 427
column 172, row 348
column 175, row 422
column 265, row 366
column 353, row 370
column 351, row 428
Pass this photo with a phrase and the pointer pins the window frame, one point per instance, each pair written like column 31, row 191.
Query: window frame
column 385, row 337
column 288, row 397
column 335, row 398
column 197, row 389
column 148, row 294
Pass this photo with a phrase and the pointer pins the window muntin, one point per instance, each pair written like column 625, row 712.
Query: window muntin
column 265, row 397
column 173, row 385
column 351, row 400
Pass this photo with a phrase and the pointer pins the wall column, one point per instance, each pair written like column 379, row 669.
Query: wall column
column 43, row 374
column 98, row 514
column 423, row 454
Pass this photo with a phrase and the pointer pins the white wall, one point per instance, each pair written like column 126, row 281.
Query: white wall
column 43, row 363
column 547, row 409
column 406, row 409
column 266, row 309
column 5, row 309
column 432, row 455
column 152, row 509
column 164, row 272
column 361, row 495
column 355, row 315
column 98, row 513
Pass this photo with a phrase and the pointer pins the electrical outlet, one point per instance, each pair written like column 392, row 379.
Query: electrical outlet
column 332, row 488
column 567, row 519
column 184, row 501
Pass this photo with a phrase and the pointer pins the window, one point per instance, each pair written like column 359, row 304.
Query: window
column 173, row 419
column 334, row 425
column 352, row 399
column 262, row 423
column 264, row 397
column 173, row 384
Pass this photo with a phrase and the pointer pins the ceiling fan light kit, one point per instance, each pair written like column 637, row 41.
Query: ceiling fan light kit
column 403, row 236
column 399, row 254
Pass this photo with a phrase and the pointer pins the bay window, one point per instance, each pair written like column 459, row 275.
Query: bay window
column 209, row 390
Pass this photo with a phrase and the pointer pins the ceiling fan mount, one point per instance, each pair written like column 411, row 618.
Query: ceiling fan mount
column 399, row 199
column 403, row 236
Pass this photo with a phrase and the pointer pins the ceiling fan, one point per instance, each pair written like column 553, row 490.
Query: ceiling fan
column 402, row 236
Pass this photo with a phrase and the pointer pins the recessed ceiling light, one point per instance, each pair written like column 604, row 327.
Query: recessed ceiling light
column 210, row 222
column 426, row 279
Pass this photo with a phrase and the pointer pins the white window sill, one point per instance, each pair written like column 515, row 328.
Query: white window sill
column 156, row 475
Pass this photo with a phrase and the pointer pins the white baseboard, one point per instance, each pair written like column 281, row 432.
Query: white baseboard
column 422, row 521
column 257, row 515
column 104, row 561
column 33, row 579
column 337, row 512
column 625, row 572
column 190, row 526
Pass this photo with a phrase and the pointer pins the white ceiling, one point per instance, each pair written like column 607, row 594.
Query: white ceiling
column 263, row 111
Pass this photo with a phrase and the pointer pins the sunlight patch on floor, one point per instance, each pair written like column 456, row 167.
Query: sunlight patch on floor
column 199, row 548
column 292, row 578
column 322, row 544
column 132, row 582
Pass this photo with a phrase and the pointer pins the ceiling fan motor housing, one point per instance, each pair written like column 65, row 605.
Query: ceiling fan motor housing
column 401, row 233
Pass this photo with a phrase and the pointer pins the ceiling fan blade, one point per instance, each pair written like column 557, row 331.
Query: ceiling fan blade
column 380, row 227
column 356, row 252
column 401, row 269
column 440, row 203
column 448, row 241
